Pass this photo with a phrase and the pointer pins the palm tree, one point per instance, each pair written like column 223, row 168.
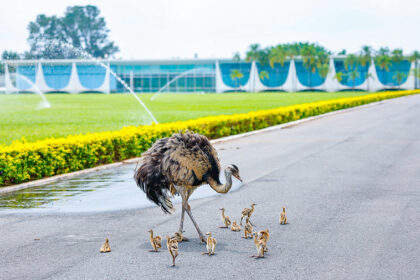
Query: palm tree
column 339, row 76
column 414, row 57
column 384, row 62
column 236, row 75
column 365, row 55
column 397, row 56
column 277, row 55
column 323, row 70
column 309, row 60
column 399, row 77
column 353, row 75
column 263, row 75
column 350, row 62
column 253, row 52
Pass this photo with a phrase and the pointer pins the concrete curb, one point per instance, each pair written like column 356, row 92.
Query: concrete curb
column 66, row 176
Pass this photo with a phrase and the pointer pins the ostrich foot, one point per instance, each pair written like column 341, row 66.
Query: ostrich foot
column 203, row 239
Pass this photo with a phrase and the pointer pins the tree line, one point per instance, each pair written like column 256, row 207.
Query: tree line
column 316, row 58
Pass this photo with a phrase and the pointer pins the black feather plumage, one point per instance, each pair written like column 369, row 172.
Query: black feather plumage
column 184, row 159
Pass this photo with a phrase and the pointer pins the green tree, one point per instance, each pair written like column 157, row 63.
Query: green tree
column 353, row 75
column 342, row 52
column 236, row 75
column 383, row 61
column 10, row 55
column 253, row 52
column 339, row 76
column 278, row 55
column 399, row 77
column 236, row 56
column 415, row 57
column 81, row 27
column 397, row 56
column 350, row 62
column 323, row 70
column 365, row 56
column 263, row 75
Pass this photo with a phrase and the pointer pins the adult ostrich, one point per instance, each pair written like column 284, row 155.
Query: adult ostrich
column 178, row 165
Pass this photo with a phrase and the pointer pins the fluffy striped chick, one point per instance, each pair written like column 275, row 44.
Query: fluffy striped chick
column 283, row 218
column 247, row 212
column 235, row 227
column 264, row 235
column 156, row 242
column 211, row 244
column 172, row 246
column 248, row 229
column 261, row 245
column 105, row 247
column 225, row 219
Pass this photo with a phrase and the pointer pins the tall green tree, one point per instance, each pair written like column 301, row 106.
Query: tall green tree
column 415, row 57
column 253, row 52
column 278, row 55
column 81, row 27
column 399, row 77
column 365, row 56
column 236, row 75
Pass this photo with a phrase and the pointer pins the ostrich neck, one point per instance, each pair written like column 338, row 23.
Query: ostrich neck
column 221, row 188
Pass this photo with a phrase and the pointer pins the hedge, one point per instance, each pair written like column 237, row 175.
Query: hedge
column 22, row 161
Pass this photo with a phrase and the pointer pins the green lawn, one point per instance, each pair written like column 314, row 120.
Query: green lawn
column 82, row 113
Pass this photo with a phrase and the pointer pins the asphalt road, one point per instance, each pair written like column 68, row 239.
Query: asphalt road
column 350, row 182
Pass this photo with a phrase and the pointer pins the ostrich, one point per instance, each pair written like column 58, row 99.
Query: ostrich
column 178, row 165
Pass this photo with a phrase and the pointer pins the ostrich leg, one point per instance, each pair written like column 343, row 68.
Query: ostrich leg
column 188, row 209
column 181, row 224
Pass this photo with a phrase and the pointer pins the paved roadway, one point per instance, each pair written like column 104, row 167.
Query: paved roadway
column 350, row 182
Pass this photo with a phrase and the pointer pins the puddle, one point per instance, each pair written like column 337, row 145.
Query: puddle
column 105, row 190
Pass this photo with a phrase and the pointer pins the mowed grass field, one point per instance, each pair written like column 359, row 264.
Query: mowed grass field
column 72, row 114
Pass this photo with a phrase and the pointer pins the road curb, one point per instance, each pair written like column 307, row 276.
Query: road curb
column 56, row 178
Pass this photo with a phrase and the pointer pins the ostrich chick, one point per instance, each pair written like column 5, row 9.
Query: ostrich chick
column 247, row 229
column 235, row 227
column 179, row 236
column 261, row 245
column 211, row 244
column 156, row 241
column 283, row 218
column 264, row 235
column 247, row 212
column 105, row 248
column 172, row 246
column 225, row 219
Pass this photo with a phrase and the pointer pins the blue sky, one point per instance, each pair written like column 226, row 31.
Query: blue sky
column 181, row 28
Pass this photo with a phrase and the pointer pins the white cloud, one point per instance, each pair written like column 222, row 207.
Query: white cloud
column 165, row 28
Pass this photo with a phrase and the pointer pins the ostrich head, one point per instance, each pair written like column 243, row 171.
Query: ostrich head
column 234, row 171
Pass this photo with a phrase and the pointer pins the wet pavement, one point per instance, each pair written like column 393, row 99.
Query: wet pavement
column 104, row 190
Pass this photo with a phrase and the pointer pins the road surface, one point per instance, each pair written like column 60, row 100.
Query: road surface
column 350, row 183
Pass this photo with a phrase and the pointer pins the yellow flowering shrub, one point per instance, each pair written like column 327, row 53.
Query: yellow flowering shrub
column 22, row 161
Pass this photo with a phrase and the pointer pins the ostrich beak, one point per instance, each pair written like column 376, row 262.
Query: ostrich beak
column 237, row 177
